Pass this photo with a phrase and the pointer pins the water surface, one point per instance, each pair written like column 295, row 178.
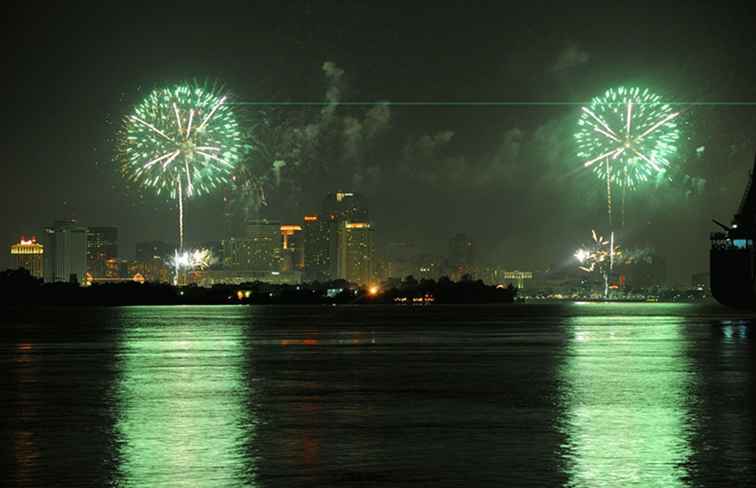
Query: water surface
column 574, row 395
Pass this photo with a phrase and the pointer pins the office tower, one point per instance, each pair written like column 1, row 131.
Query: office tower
column 331, row 248
column 260, row 249
column 293, row 248
column 317, row 248
column 102, row 246
column 355, row 252
column 29, row 254
column 66, row 256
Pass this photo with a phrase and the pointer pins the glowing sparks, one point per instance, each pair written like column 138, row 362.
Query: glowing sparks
column 648, row 141
column 600, row 255
column 197, row 170
column 212, row 112
column 164, row 156
column 174, row 110
column 189, row 124
column 197, row 259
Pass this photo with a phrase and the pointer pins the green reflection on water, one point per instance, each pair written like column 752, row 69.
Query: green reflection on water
column 182, row 397
column 625, row 386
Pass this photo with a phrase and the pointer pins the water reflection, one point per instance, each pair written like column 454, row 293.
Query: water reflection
column 625, row 389
column 725, row 435
column 25, row 442
column 182, row 396
column 735, row 330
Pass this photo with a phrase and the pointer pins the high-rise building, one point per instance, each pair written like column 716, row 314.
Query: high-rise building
column 330, row 246
column 317, row 248
column 461, row 257
column 66, row 256
column 102, row 245
column 261, row 248
column 293, row 248
column 343, row 206
column 29, row 254
column 355, row 252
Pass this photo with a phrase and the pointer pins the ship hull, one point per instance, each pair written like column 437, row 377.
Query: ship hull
column 732, row 278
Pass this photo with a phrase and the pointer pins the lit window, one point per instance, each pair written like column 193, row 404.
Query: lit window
column 742, row 243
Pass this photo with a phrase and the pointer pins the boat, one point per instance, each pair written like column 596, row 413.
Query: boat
column 731, row 258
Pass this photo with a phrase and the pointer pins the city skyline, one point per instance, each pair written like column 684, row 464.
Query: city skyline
column 503, row 169
column 361, row 243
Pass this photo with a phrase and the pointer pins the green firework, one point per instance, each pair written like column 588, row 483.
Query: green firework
column 181, row 141
column 627, row 136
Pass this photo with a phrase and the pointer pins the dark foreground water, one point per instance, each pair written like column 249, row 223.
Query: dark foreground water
column 571, row 395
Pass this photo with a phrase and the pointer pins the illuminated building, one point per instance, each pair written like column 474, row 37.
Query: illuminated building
column 317, row 248
column 339, row 244
column 136, row 277
column 461, row 257
column 293, row 248
column 517, row 278
column 355, row 252
column 211, row 277
column 102, row 245
column 261, row 249
column 29, row 254
column 66, row 256
column 340, row 208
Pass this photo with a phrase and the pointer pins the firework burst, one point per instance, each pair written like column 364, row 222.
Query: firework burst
column 626, row 137
column 197, row 259
column 599, row 257
column 181, row 141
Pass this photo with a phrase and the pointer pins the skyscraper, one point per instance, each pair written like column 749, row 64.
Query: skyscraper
column 66, row 257
column 317, row 248
column 29, row 254
column 260, row 249
column 293, row 248
column 102, row 246
column 355, row 252
column 335, row 240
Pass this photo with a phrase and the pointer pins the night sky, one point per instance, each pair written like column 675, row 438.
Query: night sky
column 506, row 175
